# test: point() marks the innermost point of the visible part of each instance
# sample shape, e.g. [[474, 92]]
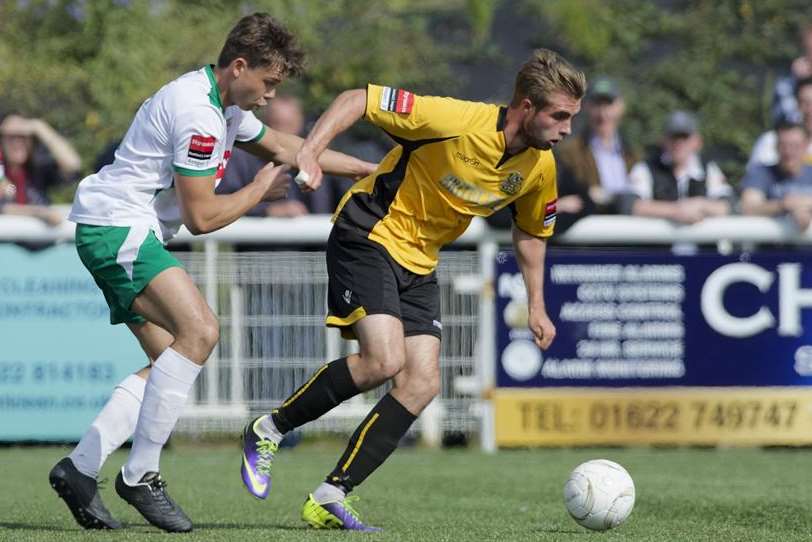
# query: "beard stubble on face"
[[530, 140]]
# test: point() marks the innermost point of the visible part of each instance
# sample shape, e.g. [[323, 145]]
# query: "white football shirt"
[[182, 128]]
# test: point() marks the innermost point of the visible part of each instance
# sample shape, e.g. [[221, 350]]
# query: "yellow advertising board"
[[678, 415]]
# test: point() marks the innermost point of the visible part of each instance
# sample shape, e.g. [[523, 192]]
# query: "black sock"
[[328, 387], [374, 440]]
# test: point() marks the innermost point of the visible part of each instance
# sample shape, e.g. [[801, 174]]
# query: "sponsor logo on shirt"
[[397, 100], [201, 147], [550, 213], [470, 192], [469, 161]]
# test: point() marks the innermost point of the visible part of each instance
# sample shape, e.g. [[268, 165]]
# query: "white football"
[[599, 494]]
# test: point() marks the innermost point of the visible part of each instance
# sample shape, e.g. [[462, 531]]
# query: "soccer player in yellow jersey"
[[454, 160]]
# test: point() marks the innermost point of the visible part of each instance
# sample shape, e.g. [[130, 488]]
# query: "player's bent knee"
[[433, 388], [210, 333], [423, 387], [428, 388], [200, 338], [208, 337], [387, 367]]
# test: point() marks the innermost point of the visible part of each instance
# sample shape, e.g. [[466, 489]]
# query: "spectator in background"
[[765, 150], [598, 160], [34, 158], [783, 188], [283, 113], [785, 105], [676, 182]]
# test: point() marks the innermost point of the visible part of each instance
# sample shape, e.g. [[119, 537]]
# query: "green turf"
[[682, 495]]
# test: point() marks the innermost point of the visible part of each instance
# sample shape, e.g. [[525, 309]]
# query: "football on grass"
[[599, 494]]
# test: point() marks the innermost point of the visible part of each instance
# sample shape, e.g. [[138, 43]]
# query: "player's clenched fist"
[[276, 180], [310, 175], [542, 328]]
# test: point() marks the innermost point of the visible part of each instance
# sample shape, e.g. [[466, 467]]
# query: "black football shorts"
[[364, 279]]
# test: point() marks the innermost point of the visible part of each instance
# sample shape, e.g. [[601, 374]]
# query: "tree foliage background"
[[86, 65], [718, 58]]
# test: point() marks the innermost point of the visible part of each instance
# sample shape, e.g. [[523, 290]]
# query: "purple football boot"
[[257, 457]]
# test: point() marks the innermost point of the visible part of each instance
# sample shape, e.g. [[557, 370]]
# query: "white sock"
[[111, 428], [326, 493], [266, 428], [170, 380]]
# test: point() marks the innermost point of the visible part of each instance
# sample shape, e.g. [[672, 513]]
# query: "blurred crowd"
[[599, 170]]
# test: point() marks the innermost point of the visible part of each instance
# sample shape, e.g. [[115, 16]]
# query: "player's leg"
[[380, 432], [153, 340], [115, 424], [75, 477], [377, 436], [104, 251], [172, 301], [363, 300], [381, 357]]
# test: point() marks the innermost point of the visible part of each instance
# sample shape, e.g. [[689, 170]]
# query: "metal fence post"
[[485, 362], [211, 248], [237, 328]]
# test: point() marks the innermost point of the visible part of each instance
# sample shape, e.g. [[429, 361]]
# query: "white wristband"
[[302, 178]]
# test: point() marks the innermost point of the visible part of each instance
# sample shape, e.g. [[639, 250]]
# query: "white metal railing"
[[271, 307], [592, 230]]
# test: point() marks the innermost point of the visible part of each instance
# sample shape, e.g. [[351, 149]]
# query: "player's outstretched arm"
[[282, 147], [345, 111], [203, 211], [530, 253]]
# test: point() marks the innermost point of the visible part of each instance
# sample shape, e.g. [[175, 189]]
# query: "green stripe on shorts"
[[123, 260]]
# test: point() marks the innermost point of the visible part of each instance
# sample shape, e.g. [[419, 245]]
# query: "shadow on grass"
[[147, 529], [553, 530], [224, 526]]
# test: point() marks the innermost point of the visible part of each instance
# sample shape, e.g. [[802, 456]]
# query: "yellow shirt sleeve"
[[408, 116], [534, 212]]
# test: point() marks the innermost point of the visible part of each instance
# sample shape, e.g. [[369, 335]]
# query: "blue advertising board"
[[60, 357], [656, 319]]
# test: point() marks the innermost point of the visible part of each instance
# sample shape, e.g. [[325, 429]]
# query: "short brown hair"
[[544, 74], [262, 41], [790, 125]]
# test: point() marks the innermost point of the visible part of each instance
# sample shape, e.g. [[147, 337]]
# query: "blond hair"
[[545, 74]]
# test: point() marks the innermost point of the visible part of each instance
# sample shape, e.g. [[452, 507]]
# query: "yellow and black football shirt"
[[449, 166]]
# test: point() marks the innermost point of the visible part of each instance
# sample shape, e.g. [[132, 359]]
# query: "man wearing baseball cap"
[[675, 181], [597, 159]]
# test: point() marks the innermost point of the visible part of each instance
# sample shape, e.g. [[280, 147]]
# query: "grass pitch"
[[428, 495]]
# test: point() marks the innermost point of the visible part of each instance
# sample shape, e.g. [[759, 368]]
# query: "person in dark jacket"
[[676, 181]]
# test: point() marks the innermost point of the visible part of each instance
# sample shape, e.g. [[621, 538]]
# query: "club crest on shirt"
[[512, 184]]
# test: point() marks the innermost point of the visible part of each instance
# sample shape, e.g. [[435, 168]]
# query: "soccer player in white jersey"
[[164, 175]]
